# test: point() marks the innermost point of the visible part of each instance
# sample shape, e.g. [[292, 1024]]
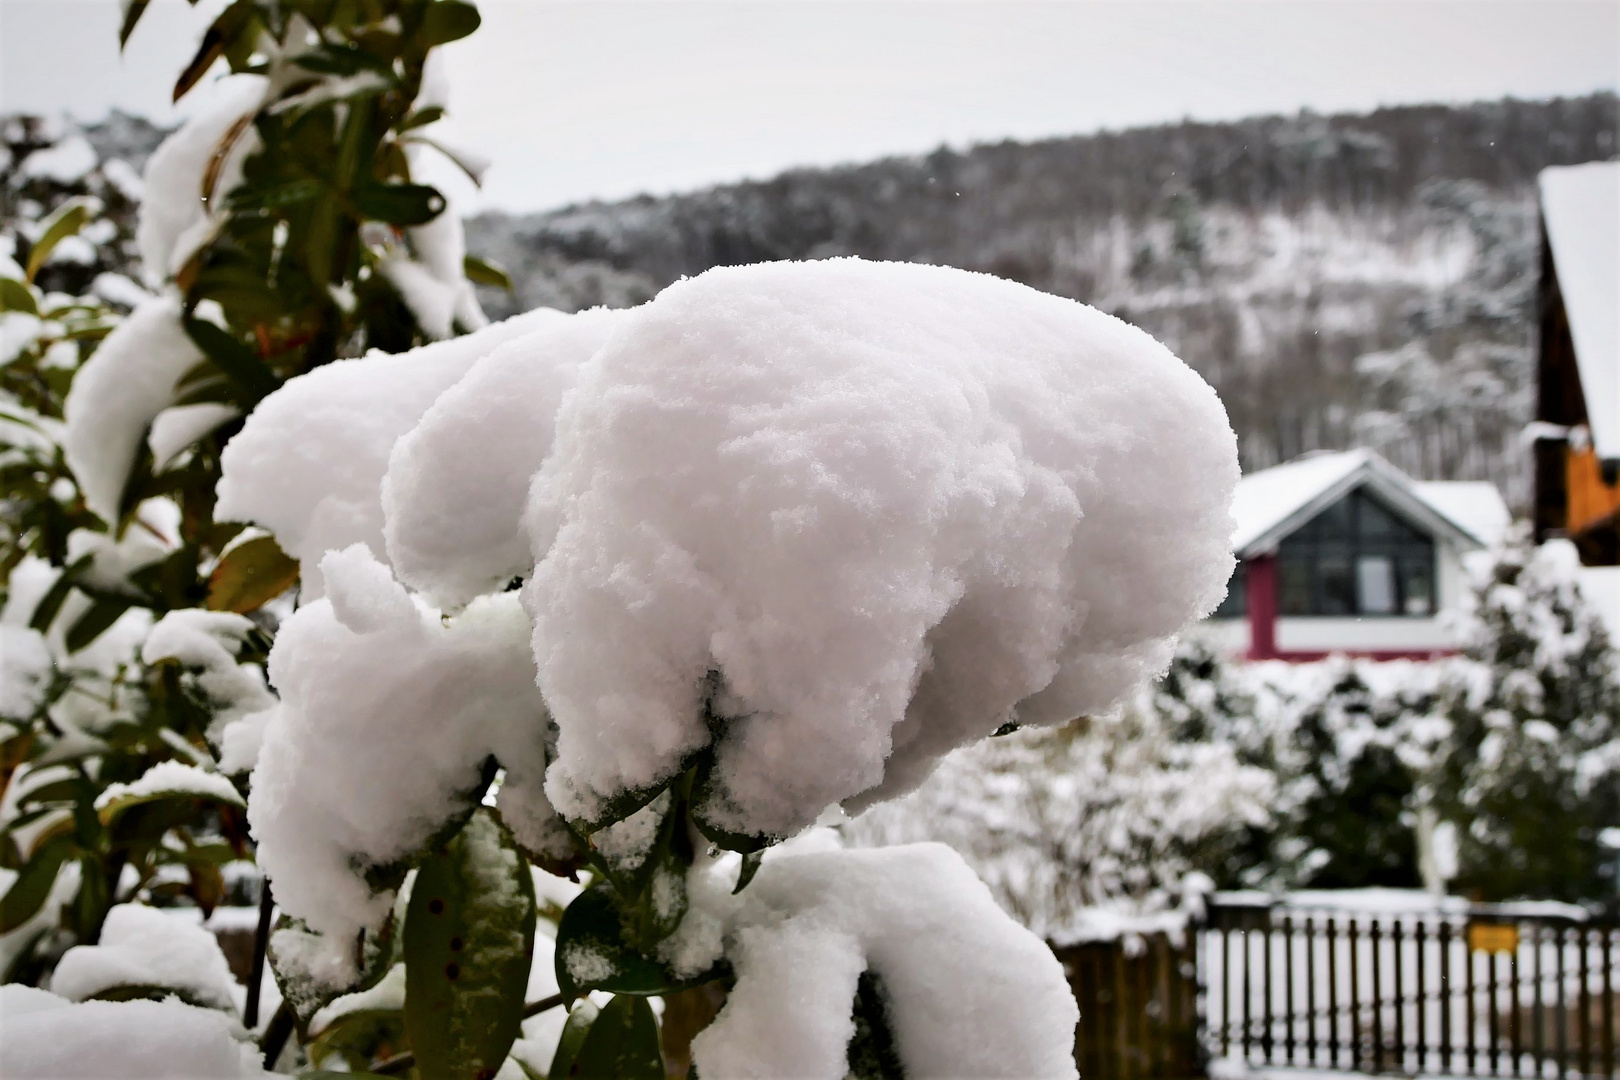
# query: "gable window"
[[1356, 558]]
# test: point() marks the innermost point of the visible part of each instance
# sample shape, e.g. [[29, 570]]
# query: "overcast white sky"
[[608, 98]]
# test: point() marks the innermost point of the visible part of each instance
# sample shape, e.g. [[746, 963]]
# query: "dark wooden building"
[[1577, 451]]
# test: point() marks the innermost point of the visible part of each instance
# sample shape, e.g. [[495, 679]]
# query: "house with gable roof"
[[1344, 553], [1577, 454]]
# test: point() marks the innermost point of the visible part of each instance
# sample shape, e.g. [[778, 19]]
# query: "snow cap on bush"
[[309, 462], [966, 990], [456, 484], [838, 518], [50, 1038], [387, 714]]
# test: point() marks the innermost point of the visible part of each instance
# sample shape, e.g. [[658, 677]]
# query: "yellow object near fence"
[[1493, 937]]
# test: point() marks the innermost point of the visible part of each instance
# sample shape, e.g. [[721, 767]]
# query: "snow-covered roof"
[[1476, 505], [1272, 503], [1580, 205]]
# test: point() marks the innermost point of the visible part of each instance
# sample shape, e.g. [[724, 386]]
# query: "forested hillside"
[[1339, 279]]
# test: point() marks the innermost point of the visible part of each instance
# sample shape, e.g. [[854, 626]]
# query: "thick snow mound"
[[308, 464], [387, 713], [857, 514], [456, 484], [142, 946], [126, 383], [968, 992], [132, 1040]]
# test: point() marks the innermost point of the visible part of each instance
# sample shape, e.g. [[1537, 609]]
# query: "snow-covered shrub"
[[278, 230], [787, 535], [1497, 767], [1535, 775], [1109, 815]]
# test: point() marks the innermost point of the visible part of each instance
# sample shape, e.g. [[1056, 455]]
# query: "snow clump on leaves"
[[803, 527], [308, 463], [834, 519], [966, 990]]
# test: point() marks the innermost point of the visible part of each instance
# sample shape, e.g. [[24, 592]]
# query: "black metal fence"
[[1524, 991]]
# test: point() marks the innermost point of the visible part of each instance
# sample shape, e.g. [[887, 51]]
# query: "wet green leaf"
[[251, 377], [445, 21], [483, 272], [572, 1038], [133, 9], [872, 1052], [622, 1044], [750, 867], [15, 296], [216, 40], [66, 220], [251, 575], [595, 951], [89, 626], [469, 940], [398, 204], [32, 885], [114, 807]]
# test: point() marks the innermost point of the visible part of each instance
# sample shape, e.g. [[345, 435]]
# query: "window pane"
[[1417, 583], [1335, 589], [1375, 584], [1294, 578]]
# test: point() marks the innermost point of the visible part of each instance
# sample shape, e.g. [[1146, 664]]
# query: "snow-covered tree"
[[1534, 776]]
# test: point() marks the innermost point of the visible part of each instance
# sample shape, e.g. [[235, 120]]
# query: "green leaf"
[[750, 867], [116, 806], [422, 118], [68, 219], [446, 21], [374, 954], [252, 378], [89, 626], [595, 951], [398, 204], [872, 1053], [51, 603], [469, 940], [250, 576], [15, 296], [33, 885], [484, 272], [572, 1038], [133, 9], [218, 38], [622, 1044]]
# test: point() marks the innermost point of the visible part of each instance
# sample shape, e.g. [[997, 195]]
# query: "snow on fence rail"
[[1524, 990]]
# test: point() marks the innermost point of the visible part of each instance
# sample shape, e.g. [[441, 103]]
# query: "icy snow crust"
[[969, 992], [883, 509]]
